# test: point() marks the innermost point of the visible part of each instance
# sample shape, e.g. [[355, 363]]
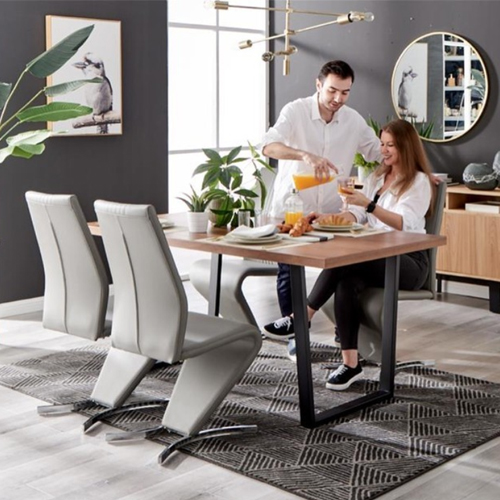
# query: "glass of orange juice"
[[345, 186]]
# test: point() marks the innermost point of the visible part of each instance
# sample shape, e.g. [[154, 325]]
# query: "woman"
[[396, 196]]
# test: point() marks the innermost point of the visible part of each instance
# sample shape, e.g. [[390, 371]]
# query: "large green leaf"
[[28, 150], [25, 151], [53, 112], [64, 88], [211, 178], [202, 168], [247, 193], [4, 93], [58, 55], [5, 152], [233, 154], [213, 155], [30, 137]]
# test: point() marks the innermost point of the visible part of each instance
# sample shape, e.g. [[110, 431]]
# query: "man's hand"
[[323, 167]]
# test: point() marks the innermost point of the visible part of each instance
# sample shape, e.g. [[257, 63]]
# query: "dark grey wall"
[[373, 49], [128, 168]]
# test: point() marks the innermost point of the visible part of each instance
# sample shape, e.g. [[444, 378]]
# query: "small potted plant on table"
[[197, 204]]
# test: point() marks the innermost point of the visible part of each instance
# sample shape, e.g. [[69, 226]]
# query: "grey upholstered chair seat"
[[151, 322], [206, 332], [233, 304], [372, 299]]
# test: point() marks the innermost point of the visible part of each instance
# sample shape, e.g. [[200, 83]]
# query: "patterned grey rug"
[[433, 417]]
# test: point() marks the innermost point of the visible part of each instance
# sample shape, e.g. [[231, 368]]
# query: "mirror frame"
[[395, 85]]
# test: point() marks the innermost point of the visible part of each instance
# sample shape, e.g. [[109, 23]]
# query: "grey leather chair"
[[151, 322], [233, 304], [76, 285], [372, 299]]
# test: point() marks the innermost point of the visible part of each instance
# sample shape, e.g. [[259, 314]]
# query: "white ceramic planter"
[[197, 222]]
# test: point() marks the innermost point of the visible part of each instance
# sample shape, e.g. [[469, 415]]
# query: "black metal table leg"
[[214, 286], [304, 372], [308, 417], [390, 321]]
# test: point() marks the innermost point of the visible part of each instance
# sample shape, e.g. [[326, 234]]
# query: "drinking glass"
[[244, 218], [345, 186]]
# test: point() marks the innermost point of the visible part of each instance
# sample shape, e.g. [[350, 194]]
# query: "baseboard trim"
[[21, 307], [467, 289]]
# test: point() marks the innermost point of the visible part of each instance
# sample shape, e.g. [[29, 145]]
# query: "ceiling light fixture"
[[340, 19]]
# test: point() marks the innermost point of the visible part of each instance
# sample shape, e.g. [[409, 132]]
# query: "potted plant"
[[224, 178], [28, 144], [365, 168], [197, 204]]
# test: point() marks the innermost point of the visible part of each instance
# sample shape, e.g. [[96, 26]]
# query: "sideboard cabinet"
[[472, 252]]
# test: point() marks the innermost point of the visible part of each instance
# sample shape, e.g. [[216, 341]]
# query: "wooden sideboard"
[[472, 253]]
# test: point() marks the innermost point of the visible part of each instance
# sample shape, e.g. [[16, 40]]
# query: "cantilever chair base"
[[206, 434], [233, 304], [140, 405]]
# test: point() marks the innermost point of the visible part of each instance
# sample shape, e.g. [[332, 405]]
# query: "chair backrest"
[[76, 285], [147, 286], [433, 226]]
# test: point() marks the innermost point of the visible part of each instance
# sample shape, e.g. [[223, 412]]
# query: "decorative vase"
[[479, 176], [197, 222]]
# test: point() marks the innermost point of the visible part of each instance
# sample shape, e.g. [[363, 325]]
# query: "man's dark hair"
[[339, 68]]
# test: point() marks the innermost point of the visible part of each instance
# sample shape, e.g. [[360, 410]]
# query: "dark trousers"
[[348, 282], [284, 289]]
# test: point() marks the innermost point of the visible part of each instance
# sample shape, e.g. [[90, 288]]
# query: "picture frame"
[[99, 56]]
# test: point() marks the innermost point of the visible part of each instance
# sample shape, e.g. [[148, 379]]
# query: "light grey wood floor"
[[50, 458]]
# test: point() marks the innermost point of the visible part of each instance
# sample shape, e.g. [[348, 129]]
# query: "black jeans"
[[349, 281], [284, 289]]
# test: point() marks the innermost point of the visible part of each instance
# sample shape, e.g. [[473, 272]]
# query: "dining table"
[[321, 253]]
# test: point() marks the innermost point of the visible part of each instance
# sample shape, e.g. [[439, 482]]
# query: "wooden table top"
[[339, 251]]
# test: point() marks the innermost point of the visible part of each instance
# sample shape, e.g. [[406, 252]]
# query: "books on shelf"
[[487, 206]]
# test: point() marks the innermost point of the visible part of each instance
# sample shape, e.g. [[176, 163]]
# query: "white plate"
[[354, 226], [165, 223], [253, 241]]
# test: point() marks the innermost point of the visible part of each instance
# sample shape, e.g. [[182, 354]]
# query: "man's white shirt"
[[300, 126]]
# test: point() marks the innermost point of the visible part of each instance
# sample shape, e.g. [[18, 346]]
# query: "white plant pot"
[[197, 222]]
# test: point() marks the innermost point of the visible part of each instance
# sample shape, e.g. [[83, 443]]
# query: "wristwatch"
[[371, 207]]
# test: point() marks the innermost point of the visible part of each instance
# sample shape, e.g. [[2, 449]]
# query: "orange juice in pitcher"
[[308, 180]]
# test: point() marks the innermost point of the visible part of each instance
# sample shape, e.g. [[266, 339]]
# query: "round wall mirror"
[[440, 85]]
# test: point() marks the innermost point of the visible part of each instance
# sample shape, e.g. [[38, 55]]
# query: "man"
[[319, 134]]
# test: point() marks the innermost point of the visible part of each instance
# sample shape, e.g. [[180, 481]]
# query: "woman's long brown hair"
[[411, 154]]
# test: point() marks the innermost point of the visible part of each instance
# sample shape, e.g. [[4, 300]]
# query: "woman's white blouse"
[[412, 205]]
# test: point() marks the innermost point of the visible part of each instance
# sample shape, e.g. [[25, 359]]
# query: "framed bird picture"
[[93, 76]]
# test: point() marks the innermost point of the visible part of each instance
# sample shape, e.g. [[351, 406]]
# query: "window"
[[217, 92]]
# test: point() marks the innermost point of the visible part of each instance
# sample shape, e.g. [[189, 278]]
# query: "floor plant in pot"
[[29, 143], [225, 178]]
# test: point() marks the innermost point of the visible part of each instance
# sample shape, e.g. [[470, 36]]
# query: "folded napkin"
[[254, 232]]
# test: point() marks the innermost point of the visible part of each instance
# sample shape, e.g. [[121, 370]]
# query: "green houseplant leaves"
[[224, 178], [28, 144]]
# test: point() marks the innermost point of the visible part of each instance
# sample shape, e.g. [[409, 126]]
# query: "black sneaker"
[[343, 377], [281, 329], [292, 350]]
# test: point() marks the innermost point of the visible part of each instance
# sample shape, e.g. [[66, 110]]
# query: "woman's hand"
[[357, 198]]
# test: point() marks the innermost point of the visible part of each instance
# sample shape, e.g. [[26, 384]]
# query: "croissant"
[[284, 228], [300, 227], [332, 220]]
